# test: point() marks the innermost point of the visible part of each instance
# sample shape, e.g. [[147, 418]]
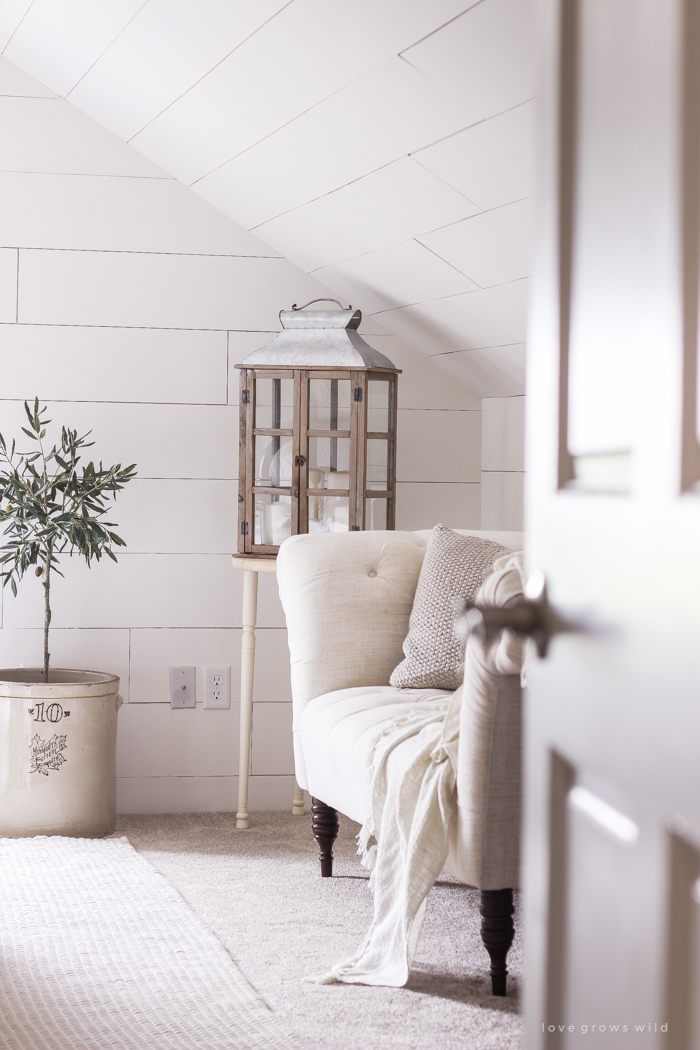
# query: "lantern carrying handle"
[[324, 300]]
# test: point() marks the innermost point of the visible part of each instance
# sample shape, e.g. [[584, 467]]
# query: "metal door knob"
[[532, 616]]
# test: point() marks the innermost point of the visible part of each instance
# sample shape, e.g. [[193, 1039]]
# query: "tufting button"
[[371, 574]]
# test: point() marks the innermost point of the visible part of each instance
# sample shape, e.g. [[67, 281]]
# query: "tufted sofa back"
[[347, 598]]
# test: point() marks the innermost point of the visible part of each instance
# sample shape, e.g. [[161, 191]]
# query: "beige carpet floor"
[[261, 892]]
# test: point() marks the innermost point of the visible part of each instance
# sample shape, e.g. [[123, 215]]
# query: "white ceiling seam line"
[[14, 31], [353, 182], [135, 327], [136, 251], [154, 404], [82, 174], [482, 211], [302, 113], [205, 75], [468, 127], [411, 156], [407, 240], [104, 52], [446, 261], [442, 298], [427, 36], [477, 349]]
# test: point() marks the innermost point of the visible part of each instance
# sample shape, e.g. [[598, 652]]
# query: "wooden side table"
[[252, 564]]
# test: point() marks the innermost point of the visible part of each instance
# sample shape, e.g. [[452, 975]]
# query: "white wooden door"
[[612, 828]]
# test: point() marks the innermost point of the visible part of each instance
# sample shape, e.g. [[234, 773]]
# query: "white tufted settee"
[[347, 599]]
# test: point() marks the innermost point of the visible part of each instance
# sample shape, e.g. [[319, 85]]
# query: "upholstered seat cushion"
[[338, 731]]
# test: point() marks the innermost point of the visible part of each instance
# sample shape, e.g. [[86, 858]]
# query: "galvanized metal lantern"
[[317, 432]]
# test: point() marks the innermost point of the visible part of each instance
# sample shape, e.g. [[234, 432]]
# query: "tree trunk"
[[47, 615]]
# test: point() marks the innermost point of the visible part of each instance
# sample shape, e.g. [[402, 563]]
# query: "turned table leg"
[[250, 612], [497, 932], [324, 823], [298, 803]]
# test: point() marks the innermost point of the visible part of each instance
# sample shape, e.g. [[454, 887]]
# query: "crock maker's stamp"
[[46, 754]]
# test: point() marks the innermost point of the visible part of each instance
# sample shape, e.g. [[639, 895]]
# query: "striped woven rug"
[[99, 952]]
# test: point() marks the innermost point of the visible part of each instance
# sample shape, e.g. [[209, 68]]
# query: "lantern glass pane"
[[329, 404], [273, 518], [377, 463], [328, 513], [329, 457], [375, 514], [273, 461], [274, 403], [378, 406]]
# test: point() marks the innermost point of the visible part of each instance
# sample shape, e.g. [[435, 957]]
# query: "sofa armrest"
[[490, 746]]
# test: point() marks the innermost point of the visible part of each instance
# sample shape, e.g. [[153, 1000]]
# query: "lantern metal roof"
[[318, 339]]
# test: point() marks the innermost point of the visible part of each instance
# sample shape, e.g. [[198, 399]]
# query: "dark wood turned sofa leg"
[[324, 822], [497, 933]]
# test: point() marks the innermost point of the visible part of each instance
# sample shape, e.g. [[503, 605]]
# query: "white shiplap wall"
[[502, 462], [125, 302], [385, 146]]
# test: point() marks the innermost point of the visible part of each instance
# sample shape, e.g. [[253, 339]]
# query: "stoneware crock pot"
[[58, 744]]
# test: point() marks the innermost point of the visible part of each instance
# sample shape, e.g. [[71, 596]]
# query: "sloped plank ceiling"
[[386, 146]]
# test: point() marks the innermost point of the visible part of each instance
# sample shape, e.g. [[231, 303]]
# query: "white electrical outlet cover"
[[217, 687], [182, 687]]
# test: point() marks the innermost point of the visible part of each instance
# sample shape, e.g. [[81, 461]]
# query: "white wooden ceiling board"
[[487, 58], [50, 135], [491, 248], [404, 273], [389, 112], [310, 50], [108, 214], [168, 47], [474, 320], [14, 81], [496, 372], [492, 163], [489, 317], [386, 207], [423, 384], [58, 42], [11, 14]]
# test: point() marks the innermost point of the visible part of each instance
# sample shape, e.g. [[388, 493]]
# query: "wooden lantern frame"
[[357, 492]]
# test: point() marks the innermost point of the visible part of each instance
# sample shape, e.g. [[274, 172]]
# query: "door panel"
[[613, 713]]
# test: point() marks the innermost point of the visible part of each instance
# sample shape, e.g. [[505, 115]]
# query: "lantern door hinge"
[[244, 528], [358, 393], [245, 397], [355, 528]]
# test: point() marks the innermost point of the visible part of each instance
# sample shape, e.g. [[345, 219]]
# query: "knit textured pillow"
[[454, 567]]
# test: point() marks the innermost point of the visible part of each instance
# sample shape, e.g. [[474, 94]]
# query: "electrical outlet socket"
[[217, 687], [182, 687]]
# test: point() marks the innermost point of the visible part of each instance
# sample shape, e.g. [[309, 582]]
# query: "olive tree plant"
[[52, 504]]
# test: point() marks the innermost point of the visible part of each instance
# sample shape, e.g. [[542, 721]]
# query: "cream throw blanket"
[[414, 804]]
